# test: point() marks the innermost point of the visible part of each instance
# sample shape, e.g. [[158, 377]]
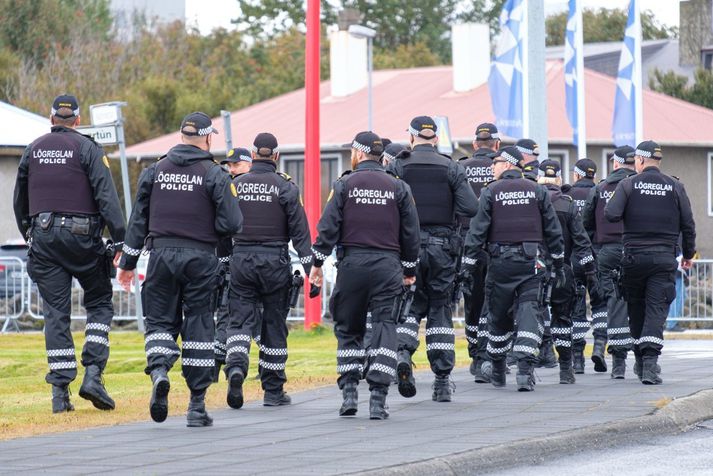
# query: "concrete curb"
[[674, 418]]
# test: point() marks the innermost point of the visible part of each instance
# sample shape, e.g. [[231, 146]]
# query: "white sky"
[[210, 14]]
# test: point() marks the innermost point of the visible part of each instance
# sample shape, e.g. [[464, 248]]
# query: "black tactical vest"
[[563, 207], [579, 193], [180, 204], [606, 231], [264, 218], [57, 181], [371, 216], [515, 215], [426, 173], [478, 171], [652, 208]]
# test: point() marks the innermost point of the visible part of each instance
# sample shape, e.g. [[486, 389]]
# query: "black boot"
[[566, 369], [378, 410], [496, 372], [92, 389], [600, 363], [404, 371], [159, 395], [474, 367], [442, 389], [618, 367], [638, 364], [350, 394], [524, 377], [650, 371], [197, 416], [547, 357], [235, 388], [216, 370], [60, 399], [480, 376], [578, 359], [276, 399]]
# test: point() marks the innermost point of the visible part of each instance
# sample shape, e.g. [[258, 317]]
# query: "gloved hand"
[[595, 291], [314, 291], [559, 277]]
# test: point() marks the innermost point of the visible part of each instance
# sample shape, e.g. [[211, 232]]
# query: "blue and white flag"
[[506, 78], [574, 75], [627, 125]]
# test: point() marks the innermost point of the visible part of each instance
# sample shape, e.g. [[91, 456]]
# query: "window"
[[561, 156], [606, 166], [710, 184], [331, 169], [707, 59]]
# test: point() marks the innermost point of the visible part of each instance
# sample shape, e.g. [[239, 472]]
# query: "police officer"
[[185, 203], [261, 274], [607, 239], [372, 219], [237, 162], [515, 220], [479, 171], [530, 152], [576, 246], [655, 210], [441, 192], [583, 176], [391, 151], [64, 196]]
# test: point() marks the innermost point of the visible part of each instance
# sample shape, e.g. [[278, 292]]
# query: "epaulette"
[[392, 174], [492, 181], [345, 173], [284, 176], [162, 157], [673, 176], [567, 197], [89, 137], [446, 156]]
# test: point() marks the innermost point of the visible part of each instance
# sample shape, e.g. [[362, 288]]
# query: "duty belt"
[[355, 250], [66, 220], [164, 242], [498, 249], [273, 250]]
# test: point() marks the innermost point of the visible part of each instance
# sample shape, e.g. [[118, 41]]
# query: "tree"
[[672, 84], [605, 25]]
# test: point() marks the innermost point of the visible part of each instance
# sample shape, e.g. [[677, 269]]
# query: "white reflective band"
[[413, 131], [525, 150], [411, 320], [383, 351], [643, 153], [599, 325], [509, 158], [358, 146], [561, 330], [502, 338], [472, 340], [440, 346], [342, 369], [61, 352], [558, 255], [158, 336], [271, 365], [257, 338], [617, 330], [586, 260], [197, 362], [579, 171], [563, 343], [219, 345], [97, 340], [652, 339], [446, 331], [525, 349], [162, 350], [599, 315], [224, 259], [615, 342], [582, 324], [131, 251], [403, 330], [193, 345], [579, 336], [621, 160], [469, 261], [306, 259], [319, 256], [382, 368], [483, 320], [498, 350], [63, 365], [95, 326], [273, 350], [540, 328], [471, 328], [242, 350], [529, 335], [344, 353], [368, 325], [409, 264], [238, 337]]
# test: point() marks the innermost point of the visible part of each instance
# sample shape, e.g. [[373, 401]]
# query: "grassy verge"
[[26, 409]]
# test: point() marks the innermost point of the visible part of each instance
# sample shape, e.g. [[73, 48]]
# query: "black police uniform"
[[607, 240], [185, 203], [261, 273], [479, 172], [64, 196], [514, 219], [577, 246], [579, 192], [371, 217], [441, 192], [655, 210]]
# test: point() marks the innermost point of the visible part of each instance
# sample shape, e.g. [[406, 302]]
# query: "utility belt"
[[170, 242], [650, 249], [530, 249], [356, 250], [78, 224], [453, 243], [272, 250]]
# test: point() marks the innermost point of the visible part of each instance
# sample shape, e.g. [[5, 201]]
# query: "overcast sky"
[[210, 14]]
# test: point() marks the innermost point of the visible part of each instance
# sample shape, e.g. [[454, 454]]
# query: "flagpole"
[[581, 116], [525, 72], [637, 76]]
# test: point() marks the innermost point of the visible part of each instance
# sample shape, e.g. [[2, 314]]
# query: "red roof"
[[402, 94]]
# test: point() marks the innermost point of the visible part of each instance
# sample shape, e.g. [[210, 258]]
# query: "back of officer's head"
[[65, 111], [507, 158], [647, 154], [529, 150], [197, 130], [585, 168], [486, 136], [549, 172], [623, 157], [265, 147], [423, 130], [366, 146]]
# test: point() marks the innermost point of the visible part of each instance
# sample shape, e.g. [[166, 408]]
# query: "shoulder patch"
[[105, 159], [284, 176], [392, 174], [233, 190]]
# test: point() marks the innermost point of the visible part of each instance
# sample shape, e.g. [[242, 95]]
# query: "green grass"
[[25, 400]]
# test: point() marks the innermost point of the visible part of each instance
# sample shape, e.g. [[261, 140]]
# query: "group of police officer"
[[498, 226]]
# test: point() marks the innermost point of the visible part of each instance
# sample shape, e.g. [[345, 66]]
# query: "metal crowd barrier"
[[19, 296]]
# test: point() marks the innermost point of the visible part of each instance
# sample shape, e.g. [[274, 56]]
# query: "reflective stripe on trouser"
[[367, 282], [259, 279], [178, 299], [618, 334], [221, 327], [561, 307], [513, 284], [650, 288], [579, 313], [474, 306], [56, 256]]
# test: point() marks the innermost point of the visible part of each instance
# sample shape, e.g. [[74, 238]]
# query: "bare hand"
[[686, 264], [117, 258], [409, 280], [125, 278], [316, 276]]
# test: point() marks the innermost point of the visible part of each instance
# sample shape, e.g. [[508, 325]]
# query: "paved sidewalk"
[[309, 438]]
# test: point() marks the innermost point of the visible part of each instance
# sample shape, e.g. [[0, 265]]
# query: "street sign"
[[104, 135], [107, 113], [445, 145]]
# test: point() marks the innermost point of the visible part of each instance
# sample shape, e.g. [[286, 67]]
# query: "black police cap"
[[585, 168], [369, 143], [65, 101], [265, 144], [528, 146], [624, 155], [197, 124], [392, 150], [486, 131], [237, 154], [510, 154], [423, 126], [550, 168], [649, 150]]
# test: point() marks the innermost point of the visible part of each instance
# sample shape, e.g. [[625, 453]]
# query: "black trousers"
[[259, 276], [435, 275], [513, 288], [608, 259], [474, 300], [367, 281], [561, 309], [222, 316], [178, 298], [56, 256], [649, 288], [579, 314]]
